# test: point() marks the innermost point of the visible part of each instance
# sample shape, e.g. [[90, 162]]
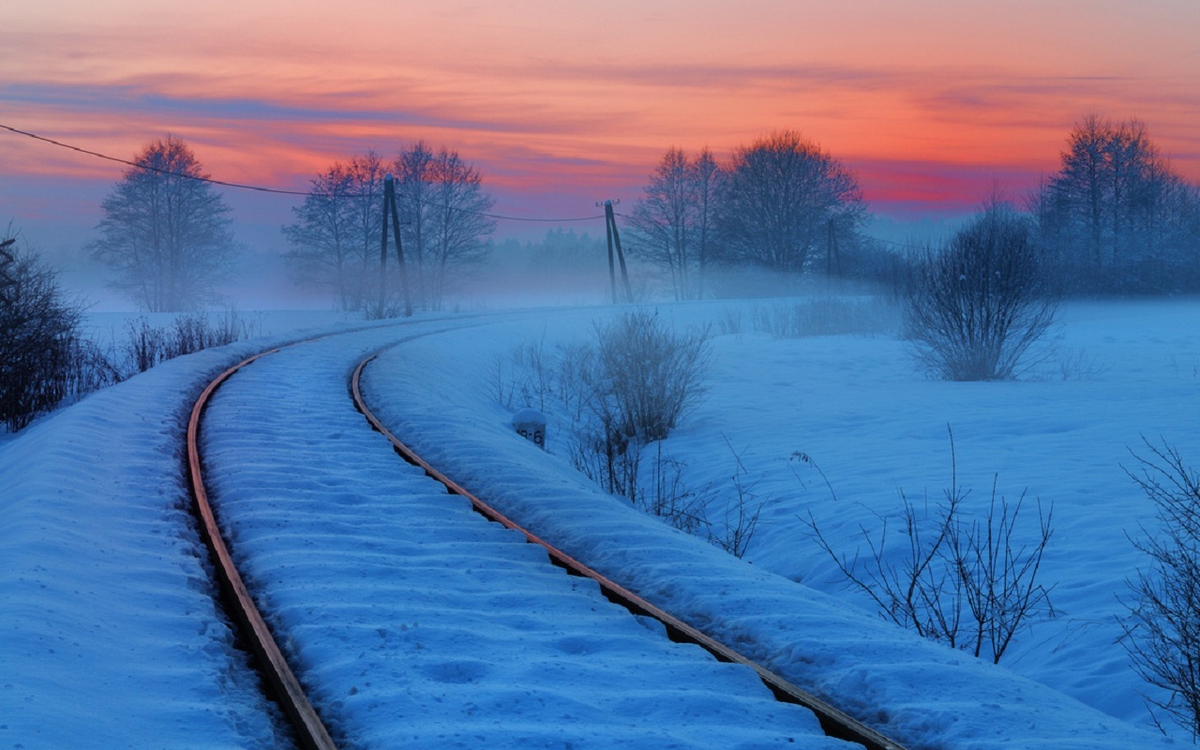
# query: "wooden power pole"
[[614, 238], [389, 206]]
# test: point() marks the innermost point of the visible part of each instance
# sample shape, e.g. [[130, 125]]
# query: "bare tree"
[[1163, 624], [414, 170], [326, 244], [165, 230], [707, 179], [977, 307], [663, 221], [780, 196], [460, 222], [673, 220], [335, 238], [444, 218], [1116, 215]]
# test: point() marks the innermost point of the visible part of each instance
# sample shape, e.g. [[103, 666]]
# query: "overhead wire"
[[275, 191], [280, 191]]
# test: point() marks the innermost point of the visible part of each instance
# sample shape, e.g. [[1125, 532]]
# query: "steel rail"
[[311, 733], [835, 722]]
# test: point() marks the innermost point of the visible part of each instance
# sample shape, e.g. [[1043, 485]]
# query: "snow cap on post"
[[531, 425]]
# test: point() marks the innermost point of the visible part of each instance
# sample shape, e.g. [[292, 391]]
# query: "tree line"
[[166, 232], [778, 204], [1115, 218]]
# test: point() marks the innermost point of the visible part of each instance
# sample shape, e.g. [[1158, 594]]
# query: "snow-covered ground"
[[94, 530]]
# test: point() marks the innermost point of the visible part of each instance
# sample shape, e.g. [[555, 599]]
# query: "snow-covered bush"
[[633, 386]]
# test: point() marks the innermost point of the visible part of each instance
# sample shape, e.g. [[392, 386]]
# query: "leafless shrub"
[[669, 498], [730, 321], [646, 376], [740, 518], [639, 379], [999, 573], [502, 386], [1079, 365], [825, 316], [526, 377], [146, 345], [622, 394], [971, 584], [576, 363], [610, 459], [41, 350], [976, 309], [1162, 628]]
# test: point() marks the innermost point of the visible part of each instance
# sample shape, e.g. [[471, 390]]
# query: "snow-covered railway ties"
[[390, 607]]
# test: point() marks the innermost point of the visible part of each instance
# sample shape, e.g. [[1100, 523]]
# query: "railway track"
[[310, 730]]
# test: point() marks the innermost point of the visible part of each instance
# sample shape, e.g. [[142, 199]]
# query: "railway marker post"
[[531, 425]]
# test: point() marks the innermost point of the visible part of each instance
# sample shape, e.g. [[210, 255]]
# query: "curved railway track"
[[309, 729], [286, 689]]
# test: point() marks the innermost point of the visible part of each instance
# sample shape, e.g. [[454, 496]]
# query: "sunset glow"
[[563, 104]]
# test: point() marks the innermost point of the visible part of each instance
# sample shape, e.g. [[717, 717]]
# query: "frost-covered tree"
[[166, 231]]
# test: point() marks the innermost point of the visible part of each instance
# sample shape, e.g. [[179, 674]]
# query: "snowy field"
[[94, 529]]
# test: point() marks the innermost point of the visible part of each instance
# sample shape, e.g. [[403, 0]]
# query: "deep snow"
[[95, 492]]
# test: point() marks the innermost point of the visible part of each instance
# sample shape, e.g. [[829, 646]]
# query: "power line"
[[148, 167], [275, 191]]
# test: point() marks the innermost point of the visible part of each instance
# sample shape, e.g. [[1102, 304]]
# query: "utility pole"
[[832, 253], [614, 238], [390, 190], [387, 191], [389, 205]]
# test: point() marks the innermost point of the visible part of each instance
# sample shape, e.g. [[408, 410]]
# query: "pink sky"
[[561, 104]]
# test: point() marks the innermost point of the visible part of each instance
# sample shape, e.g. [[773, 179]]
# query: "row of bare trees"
[[779, 203], [1116, 216], [166, 232], [443, 209]]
